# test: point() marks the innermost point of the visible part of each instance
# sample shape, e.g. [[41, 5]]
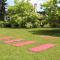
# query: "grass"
[[8, 52]]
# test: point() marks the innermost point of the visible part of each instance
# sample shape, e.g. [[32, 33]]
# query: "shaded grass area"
[[8, 52], [49, 32]]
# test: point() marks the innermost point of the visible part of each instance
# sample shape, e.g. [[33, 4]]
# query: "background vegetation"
[[23, 15]]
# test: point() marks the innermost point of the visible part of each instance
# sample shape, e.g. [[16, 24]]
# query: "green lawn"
[[8, 52]]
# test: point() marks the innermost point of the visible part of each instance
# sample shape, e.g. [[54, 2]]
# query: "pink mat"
[[12, 41], [6, 38], [24, 43], [42, 47]]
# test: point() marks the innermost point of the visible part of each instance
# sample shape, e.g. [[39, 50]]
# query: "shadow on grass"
[[52, 32]]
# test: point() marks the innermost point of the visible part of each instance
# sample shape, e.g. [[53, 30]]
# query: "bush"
[[43, 23], [14, 21], [2, 24], [28, 25], [36, 24], [19, 22]]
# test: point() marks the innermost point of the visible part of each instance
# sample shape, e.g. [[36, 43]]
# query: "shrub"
[[19, 22], [36, 24], [43, 22], [28, 25], [13, 21], [2, 24]]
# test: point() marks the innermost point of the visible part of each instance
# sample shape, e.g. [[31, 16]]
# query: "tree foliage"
[[52, 12], [23, 14], [3, 9]]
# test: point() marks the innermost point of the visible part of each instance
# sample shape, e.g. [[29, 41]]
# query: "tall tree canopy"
[[23, 11], [52, 12], [2, 10], [21, 8]]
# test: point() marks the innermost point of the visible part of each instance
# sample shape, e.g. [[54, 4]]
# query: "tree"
[[52, 13], [3, 9], [24, 13]]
